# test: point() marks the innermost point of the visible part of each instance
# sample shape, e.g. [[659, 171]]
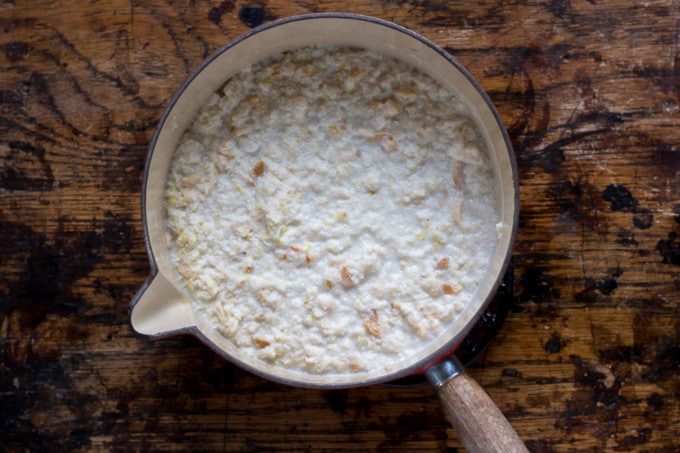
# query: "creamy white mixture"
[[331, 210]]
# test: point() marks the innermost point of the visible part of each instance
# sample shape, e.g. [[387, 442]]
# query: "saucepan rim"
[[335, 381]]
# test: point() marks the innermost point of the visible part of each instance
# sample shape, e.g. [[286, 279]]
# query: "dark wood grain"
[[588, 359]]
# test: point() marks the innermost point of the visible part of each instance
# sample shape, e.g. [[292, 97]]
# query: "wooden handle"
[[482, 427]]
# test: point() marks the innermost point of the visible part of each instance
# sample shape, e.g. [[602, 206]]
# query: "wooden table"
[[588, 358]]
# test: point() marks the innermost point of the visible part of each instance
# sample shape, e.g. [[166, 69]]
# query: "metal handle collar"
[[442, 372]]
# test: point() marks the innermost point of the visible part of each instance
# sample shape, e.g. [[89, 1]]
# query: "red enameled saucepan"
[[162, 308]]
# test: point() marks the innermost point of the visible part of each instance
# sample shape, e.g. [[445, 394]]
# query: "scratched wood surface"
[[588, 358]]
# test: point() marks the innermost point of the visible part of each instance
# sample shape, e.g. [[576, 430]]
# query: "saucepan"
[[162, 307]]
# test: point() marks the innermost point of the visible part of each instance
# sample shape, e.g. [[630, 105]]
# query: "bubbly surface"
[[331, 210]]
